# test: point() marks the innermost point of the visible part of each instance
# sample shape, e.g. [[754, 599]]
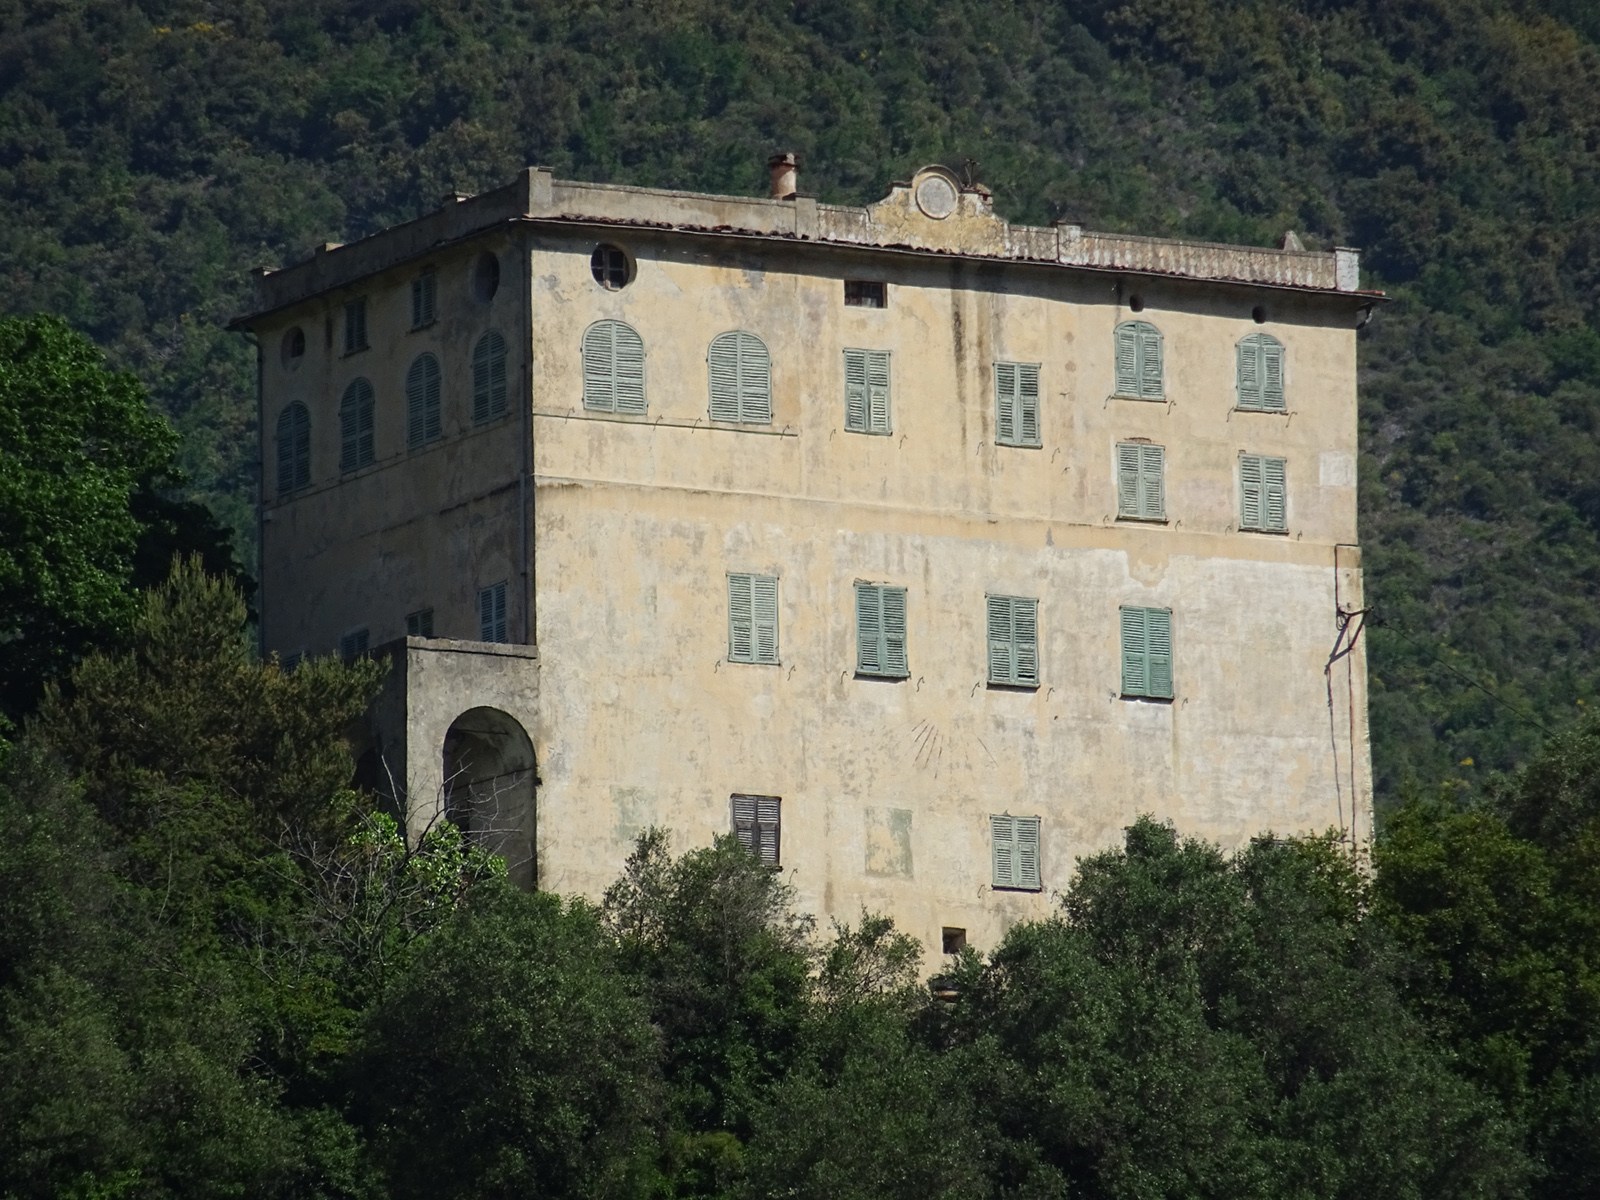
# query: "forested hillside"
[[151, 154]]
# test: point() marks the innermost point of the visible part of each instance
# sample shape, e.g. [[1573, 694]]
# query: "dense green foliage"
[[86, 514], [150, 155], [222, 972]]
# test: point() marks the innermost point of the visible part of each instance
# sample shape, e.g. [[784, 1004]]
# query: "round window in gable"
[[293, 349], [1258, 315], [1136, 302], [486, 277], [610, 266]]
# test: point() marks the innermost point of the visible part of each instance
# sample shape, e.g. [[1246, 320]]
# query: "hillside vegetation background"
[[151, 154]]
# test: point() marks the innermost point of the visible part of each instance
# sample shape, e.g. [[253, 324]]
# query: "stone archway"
[[489, 788]]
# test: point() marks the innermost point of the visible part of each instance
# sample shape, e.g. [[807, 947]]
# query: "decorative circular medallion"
[[936, 196]]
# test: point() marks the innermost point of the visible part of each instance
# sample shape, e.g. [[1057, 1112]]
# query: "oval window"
[[610, 266]]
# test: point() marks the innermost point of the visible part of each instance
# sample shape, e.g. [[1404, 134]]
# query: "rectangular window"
[[353, 645], [422, 293], [1262, 493], [492, 613], [1014, 843], [752, 618], [755, 824], [1141, 494], [1013, 641], [1016, 403], [355, 325], [881, 631], [420, 623], [866, 293], [866, 391], [1147, 652]]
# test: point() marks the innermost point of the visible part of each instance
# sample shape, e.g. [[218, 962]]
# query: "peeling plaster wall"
[[887, 787]]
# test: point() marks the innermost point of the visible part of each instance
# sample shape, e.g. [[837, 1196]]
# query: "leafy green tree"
[[724, 963], [1198, 1024], [512, 1059], [1499, 901]]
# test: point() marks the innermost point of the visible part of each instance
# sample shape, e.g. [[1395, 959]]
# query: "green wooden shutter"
[[294, 448], [1025, 840], [1152, 489], [1248, 357], [1158, 631], [433, 417], [1025, 638], [599, 368], [1135, 680], [894, 631], [613, 368], [1028, 404], [349, 430], [1003, 855], [1127, 359], [741, 632], [416, 422], [1005, 403], [1272, 396], [1150, 381], [869, 629], [744, 822], [764, 617], [1002, 667], [878, 390], [722, 364], [1128, 461], [489, 377], [767, 829], [629, 360], [1274, 499], [1250, 507], [755, 380], [855, 391], [422, 300]]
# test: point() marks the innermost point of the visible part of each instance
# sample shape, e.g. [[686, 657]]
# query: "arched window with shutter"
[[741, 378], [423, 420], [294, 449], [613, 368], [1260, 367], [356, 448], [1139, 361], [489, 378]]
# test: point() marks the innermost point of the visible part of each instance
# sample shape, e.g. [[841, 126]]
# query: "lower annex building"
[[923, 550]]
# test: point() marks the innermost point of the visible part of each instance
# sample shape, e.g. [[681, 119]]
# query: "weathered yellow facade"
[[615, 534]]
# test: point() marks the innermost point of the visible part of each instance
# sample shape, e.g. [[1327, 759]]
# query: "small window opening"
[[486, 277], [609, 266], [1136, 303], [955, 940], [866, 293], [1258, 315], [424, 291], [355, 325], [294, 348], [420, 623], [353, 645]]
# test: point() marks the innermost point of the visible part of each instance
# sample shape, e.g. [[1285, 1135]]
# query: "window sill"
[[424, 325], [1145, 520], [873, 677], [1265, 412], [1147, 699], [1020, 445], [871, 432], [649, 422], [356, 351], [1031, 891], [994, 686], [752, 662], [1268, 532], [1146, 399]]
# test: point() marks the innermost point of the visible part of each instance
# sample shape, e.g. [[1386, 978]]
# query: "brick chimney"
[[784, 168]]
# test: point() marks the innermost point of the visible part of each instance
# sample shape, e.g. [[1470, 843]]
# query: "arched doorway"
[[489, 788]]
